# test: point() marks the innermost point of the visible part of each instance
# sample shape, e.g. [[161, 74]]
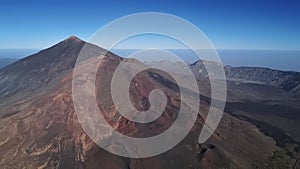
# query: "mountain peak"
[[73, 38], [45, 68]]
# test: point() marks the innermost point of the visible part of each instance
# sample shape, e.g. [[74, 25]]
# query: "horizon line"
[[167, 49]]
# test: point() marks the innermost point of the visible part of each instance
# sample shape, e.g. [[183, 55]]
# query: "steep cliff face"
[[286, 80]]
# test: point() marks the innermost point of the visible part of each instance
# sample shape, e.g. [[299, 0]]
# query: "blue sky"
[[228, 24]]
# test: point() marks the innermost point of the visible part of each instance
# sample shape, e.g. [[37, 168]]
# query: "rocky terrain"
[[39, 127], [286, 80], [267, 98]]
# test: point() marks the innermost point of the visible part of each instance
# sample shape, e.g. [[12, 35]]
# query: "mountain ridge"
[[41, 130], [42, 68], [286, 80]]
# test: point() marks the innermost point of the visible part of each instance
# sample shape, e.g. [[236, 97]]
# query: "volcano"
[[40, 129]]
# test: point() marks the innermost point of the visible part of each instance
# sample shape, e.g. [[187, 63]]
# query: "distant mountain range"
[[284, 60], [286, 80], [39, 127]]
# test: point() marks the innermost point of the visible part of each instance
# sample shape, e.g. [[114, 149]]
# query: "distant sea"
[[274, 59], [16, 53]]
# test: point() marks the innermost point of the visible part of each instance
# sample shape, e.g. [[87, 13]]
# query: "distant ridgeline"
[[287, 80]]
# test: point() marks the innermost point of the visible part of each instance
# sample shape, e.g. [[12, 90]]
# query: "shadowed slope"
[[41, 130]]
